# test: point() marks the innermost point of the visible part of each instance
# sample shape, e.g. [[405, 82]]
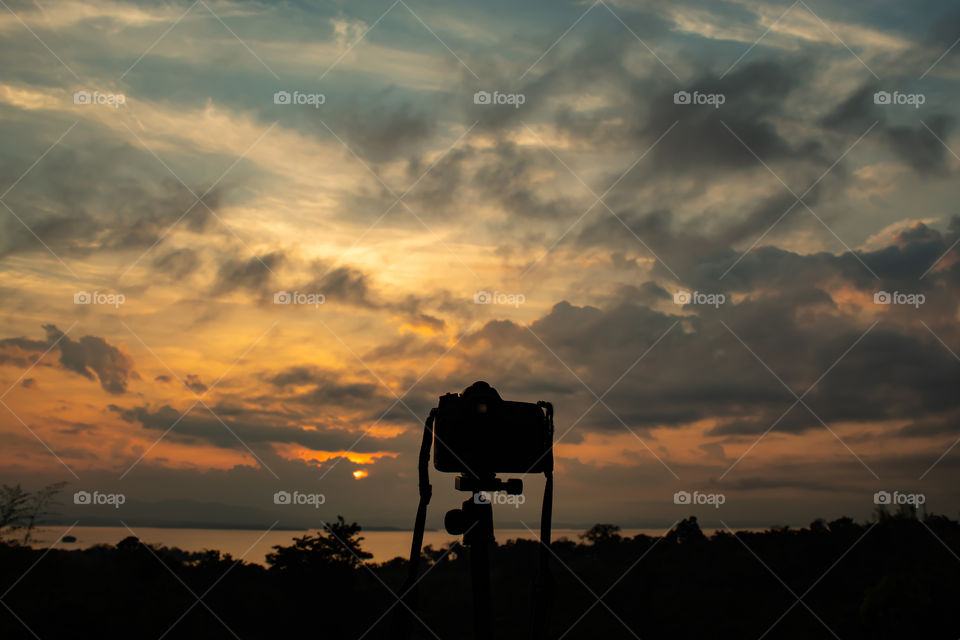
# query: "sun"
[[360, 473]]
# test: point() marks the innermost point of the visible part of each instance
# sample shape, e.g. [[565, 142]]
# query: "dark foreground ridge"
[[895, 577]]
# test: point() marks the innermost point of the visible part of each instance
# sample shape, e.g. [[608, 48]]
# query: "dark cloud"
[[313, 387], [706, 138], [914, 144], [252, 428], [91, 356], [195, 384], [94, 355], [177, 264], [21, 352], [96, 197], [508, 176], [786, 316], [382, 128], [251, 275], [919, 147]]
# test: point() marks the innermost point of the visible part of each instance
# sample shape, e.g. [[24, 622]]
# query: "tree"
[[336, 545], [688, 531], [14, 503], [37, 507], [600, 534], [20, 509]]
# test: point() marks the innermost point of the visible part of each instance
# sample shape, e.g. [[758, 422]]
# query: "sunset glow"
[[245, 260]]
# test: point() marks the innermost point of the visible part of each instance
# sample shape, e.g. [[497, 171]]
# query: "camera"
[[479, 434]]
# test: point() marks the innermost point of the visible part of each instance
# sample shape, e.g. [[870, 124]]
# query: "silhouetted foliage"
[[602, 534], [338, 544], [22, 510], [896, 577]]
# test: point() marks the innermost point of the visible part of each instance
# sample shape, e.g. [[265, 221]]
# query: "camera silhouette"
[[682, 297], [882, 297], [882, 497], [682, 497], [82, 297], [282, 297], [282, 497], [82, 497], [81, 97], [482, 97], [681, 97], [881, 97], [482, 297], [281, 97]]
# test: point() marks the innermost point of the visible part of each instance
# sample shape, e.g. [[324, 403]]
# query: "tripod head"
[[474, 519]]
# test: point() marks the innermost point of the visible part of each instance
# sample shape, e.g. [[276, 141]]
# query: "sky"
[[245, 246]]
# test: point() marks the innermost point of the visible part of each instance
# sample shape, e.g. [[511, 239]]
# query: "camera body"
[[479, 434]]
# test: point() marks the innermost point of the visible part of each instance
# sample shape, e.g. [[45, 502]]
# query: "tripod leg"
[[480, 575], [479, 538]]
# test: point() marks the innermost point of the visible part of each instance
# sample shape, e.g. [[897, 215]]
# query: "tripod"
[[474, 520]]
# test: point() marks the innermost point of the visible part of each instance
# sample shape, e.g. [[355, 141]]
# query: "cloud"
[[250, 274], [102, 196], [91, 356], [797, 313], [249, 427]]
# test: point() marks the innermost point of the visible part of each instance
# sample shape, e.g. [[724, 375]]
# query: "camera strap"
[[543, 588], [409, 592], [426, 492]]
